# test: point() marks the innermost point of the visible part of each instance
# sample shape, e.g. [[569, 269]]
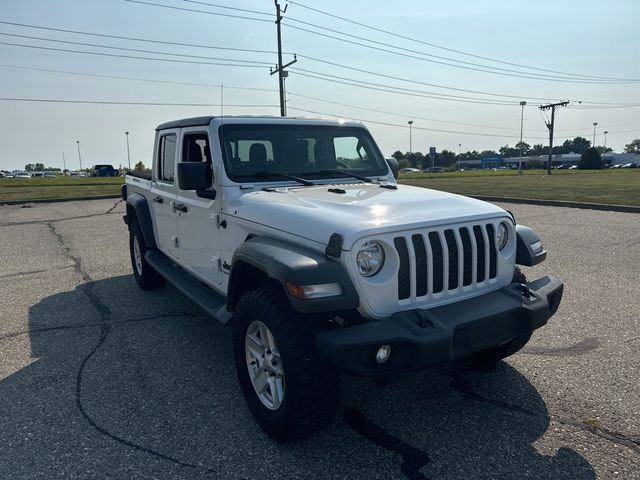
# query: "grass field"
[[57, 187], [616, 187]]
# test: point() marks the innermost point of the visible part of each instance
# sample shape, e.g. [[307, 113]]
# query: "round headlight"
[[370, 259], [503, 235]]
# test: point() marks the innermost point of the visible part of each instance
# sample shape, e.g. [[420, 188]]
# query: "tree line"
[[447, 158]]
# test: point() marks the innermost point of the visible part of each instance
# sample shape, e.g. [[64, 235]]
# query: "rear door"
[[198, 224], [163, 192]]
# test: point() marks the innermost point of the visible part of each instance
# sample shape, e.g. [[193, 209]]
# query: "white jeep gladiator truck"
[[295, 232]]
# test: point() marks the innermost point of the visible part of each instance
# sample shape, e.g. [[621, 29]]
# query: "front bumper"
[[421, 338]]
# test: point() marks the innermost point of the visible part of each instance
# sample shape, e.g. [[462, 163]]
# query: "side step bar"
[[211, 302]]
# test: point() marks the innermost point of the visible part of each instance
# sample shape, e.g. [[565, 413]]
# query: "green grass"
[[57, 187], [614, 187]]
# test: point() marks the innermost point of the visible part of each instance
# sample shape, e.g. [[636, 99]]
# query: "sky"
[[457, 69]]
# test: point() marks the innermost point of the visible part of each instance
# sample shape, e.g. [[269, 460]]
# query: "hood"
[[362, 210]]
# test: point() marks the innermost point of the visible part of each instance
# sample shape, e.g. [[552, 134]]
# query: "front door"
[[198, 214], [163, 193]]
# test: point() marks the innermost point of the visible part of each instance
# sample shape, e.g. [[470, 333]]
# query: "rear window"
[[307, 151]]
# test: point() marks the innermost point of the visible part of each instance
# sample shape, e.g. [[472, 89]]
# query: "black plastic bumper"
[[421, 338]]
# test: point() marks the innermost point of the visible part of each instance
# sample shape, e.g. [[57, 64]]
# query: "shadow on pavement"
[[126, 383]]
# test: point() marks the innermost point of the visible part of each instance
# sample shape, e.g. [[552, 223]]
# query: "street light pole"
[[128, 154], [522, 104], [595, 124], [79, 156], [410, 122], [605, 141], [459, 154]]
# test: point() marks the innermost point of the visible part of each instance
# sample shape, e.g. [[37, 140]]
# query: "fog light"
[[383, 353]]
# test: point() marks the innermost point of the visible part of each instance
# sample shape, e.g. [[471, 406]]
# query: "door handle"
[[181, 207], [158, 199]]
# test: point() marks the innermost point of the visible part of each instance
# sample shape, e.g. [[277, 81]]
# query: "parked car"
[[410, 170], [616, 166], [22, 175], [630, 165], [104, 171], [50, 174], [323, 269], [436, 169], [573, 167]]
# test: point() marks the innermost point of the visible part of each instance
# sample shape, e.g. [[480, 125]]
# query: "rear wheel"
[[288, 391], [146, 277]]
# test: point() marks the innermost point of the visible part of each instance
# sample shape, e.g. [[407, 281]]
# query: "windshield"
[[308, 151]]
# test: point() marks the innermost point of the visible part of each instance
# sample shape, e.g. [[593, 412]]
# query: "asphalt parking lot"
[[99, 379]]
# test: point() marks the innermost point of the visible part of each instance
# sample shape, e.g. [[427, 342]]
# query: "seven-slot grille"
[[443, 260]]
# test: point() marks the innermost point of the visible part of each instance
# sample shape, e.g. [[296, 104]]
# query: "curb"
[[56, 200], [560, 203]]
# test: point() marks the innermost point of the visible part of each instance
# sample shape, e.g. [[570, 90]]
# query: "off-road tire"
[[147, 278], [312, 390], [487, 359]]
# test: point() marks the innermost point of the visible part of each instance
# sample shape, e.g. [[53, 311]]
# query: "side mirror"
[[393, 165], [194, 176]]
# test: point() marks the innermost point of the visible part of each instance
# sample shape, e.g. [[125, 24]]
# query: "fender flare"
[[286, 262], [138, 204], [529, 251]]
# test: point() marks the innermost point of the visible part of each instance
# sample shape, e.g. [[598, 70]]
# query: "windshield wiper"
[[346, 173], [303, 181]]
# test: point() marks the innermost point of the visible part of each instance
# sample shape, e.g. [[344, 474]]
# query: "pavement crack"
[[581, 348], [105, 324], [462, 385], [36, 331], [109, 211]]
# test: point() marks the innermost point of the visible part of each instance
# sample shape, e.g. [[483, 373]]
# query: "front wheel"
[[289, 393]]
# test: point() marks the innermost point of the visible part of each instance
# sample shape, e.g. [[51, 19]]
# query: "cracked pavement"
[[100, 379]]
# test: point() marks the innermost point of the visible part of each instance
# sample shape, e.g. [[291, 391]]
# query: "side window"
[[167, 157], [195, 148], [350, 152]]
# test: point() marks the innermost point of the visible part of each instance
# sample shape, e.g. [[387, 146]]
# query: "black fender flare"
[[285, 262], [137, 203], [525, 254]]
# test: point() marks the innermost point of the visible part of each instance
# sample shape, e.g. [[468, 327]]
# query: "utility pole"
[[128, 154], [522, 104], [280, 68], [79, 156], [64, 162], [551, 106]]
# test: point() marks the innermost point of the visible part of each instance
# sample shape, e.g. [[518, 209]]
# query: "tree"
[[140, 167], [633, 147], [29, 167], [539, 149], [590, 160], [526, 148], [398, 155], [580, 145], [446, 158], [39, 167]]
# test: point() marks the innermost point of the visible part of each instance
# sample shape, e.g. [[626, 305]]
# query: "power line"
[[404, 125], [117, 102], [103, 54], [138, 79], [198, 11], [460, 52], [528, 76], [136, 39], [397, 90], [403, 115], [69, 42], [230, 8]]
